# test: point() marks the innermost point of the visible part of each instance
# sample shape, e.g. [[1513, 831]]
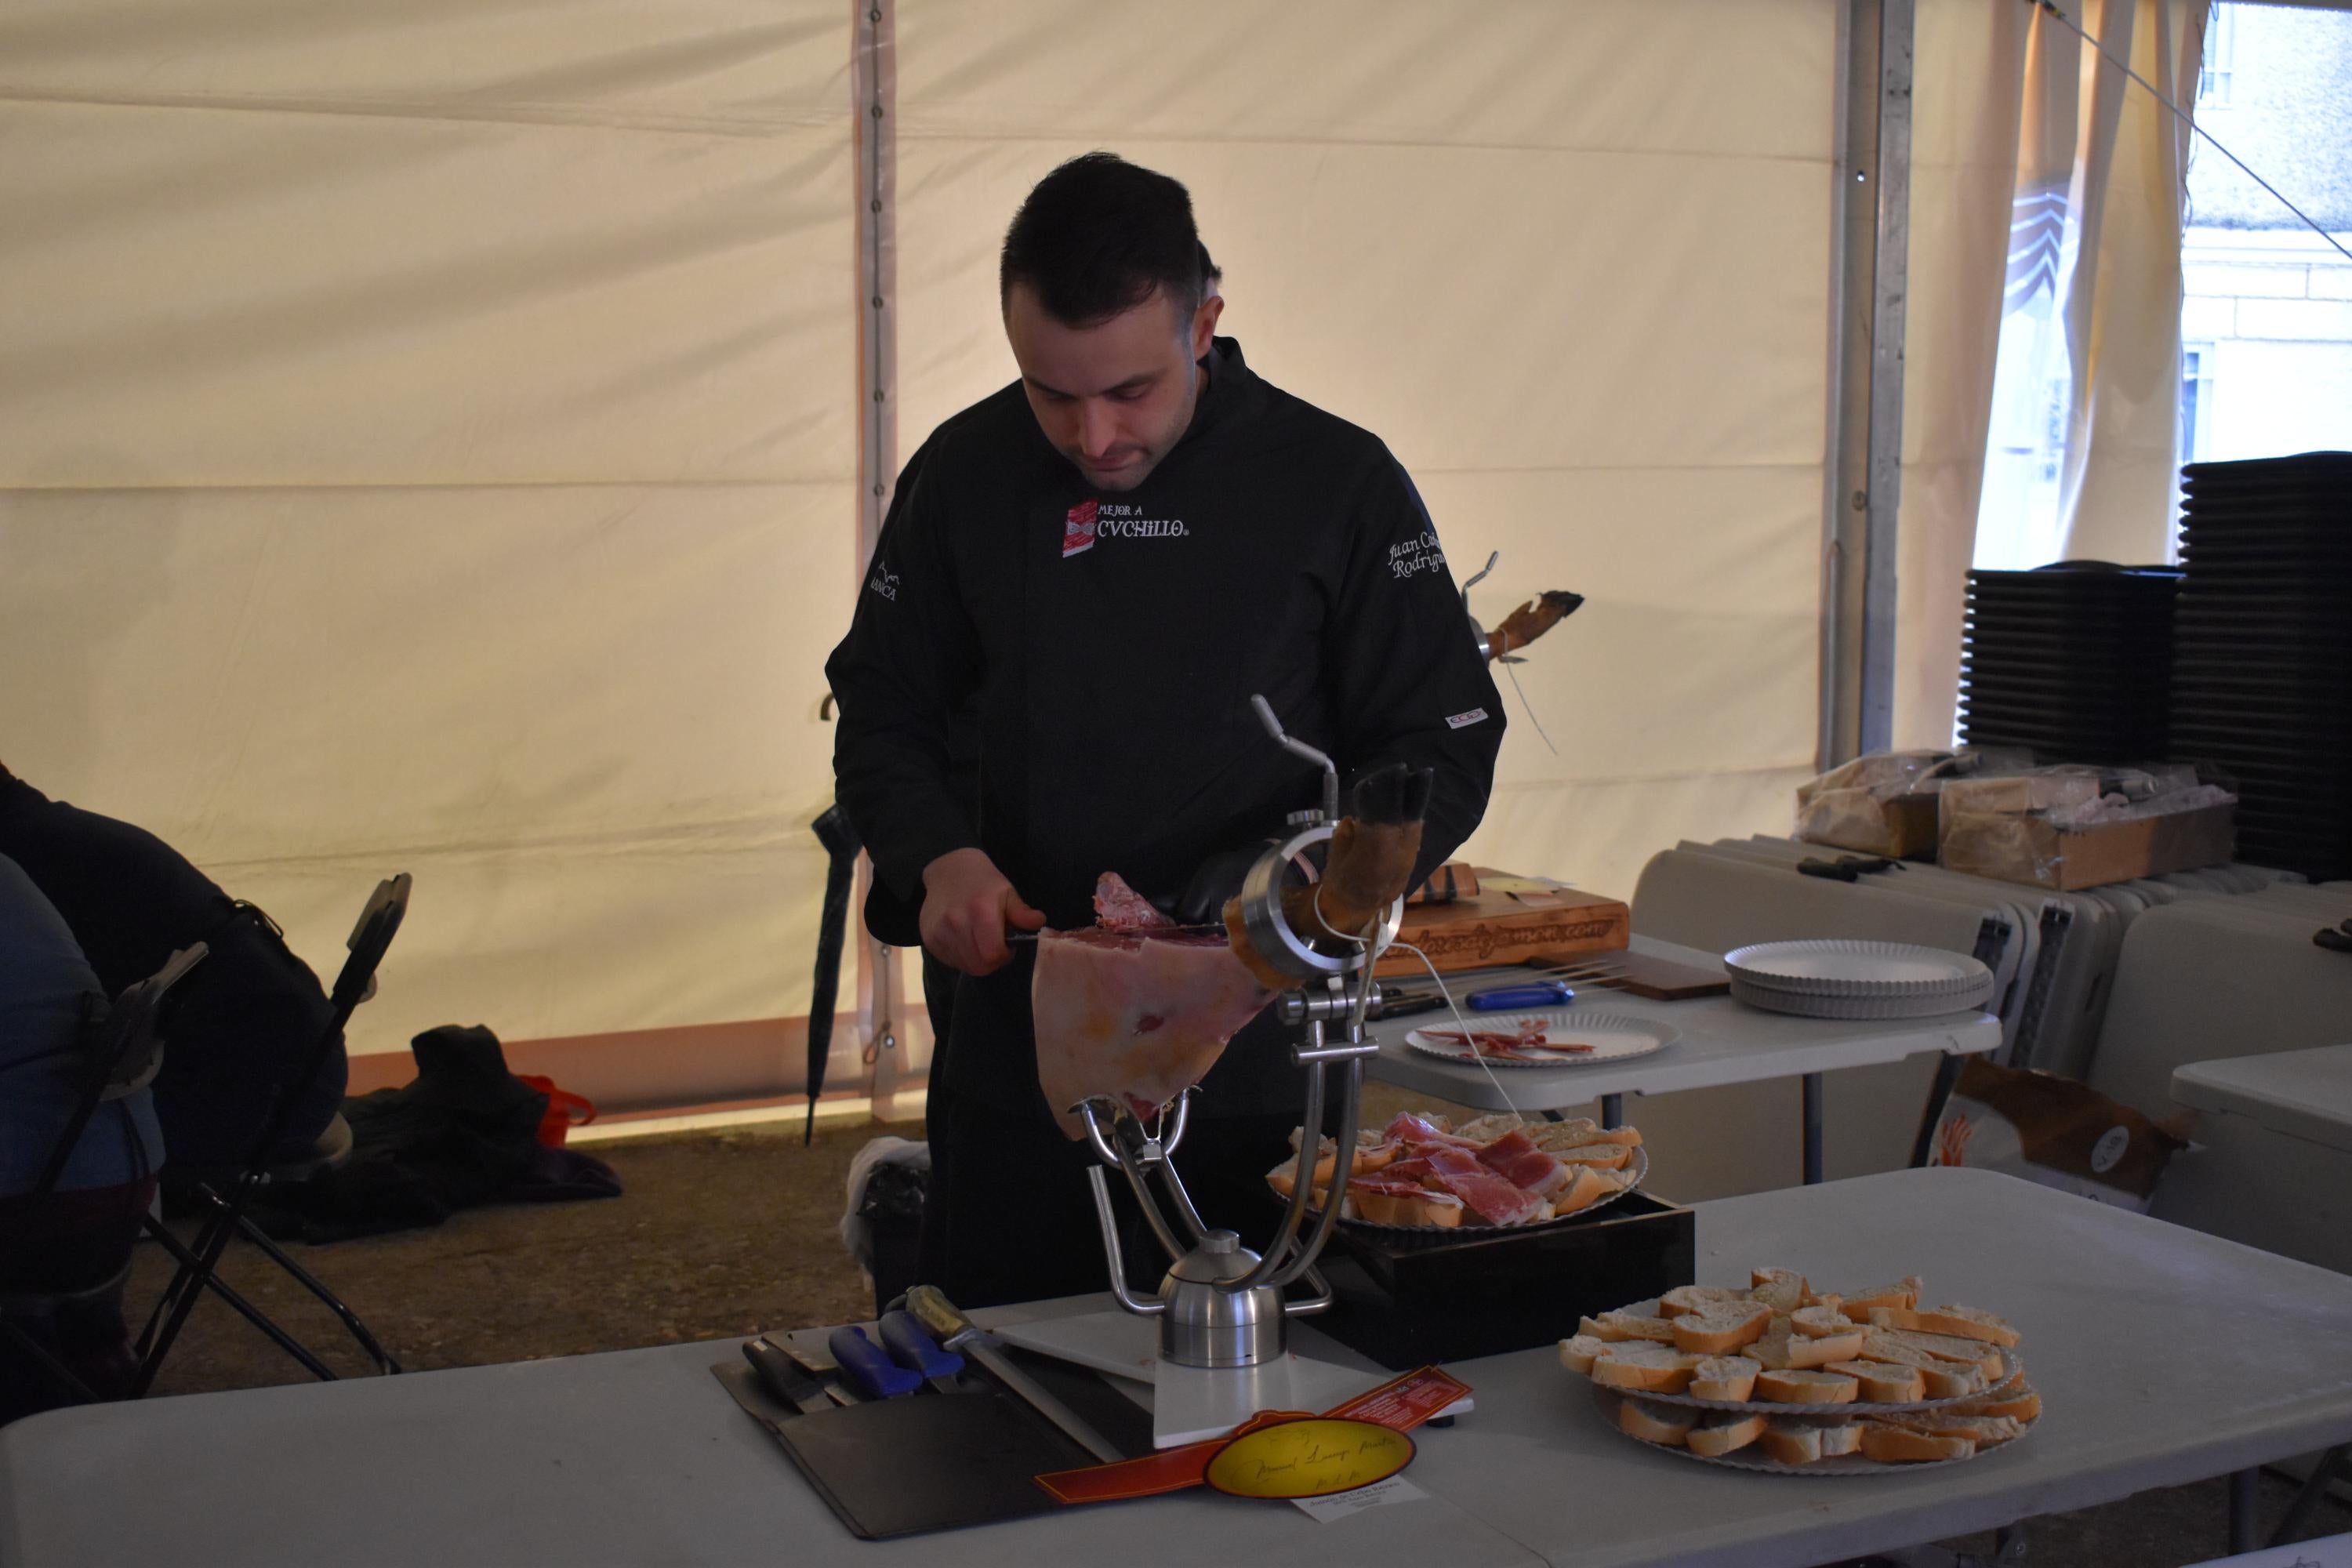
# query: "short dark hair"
[[1098, 235]]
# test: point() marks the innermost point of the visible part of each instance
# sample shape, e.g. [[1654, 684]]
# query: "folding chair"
[[226, 1214], [121, 1050]]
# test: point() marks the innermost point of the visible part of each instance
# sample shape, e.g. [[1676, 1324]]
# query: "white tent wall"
[[428, 432], [1569, 261], [427, 443]]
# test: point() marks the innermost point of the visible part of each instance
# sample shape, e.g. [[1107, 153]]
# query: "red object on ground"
[[565, 1109]]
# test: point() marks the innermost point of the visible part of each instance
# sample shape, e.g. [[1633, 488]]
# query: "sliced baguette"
[[1782, 1289], [1956, 1322], [1903, 1293], [1487, 1129], [1585, 1187], [1944, 1379], [1793, 1441], [1900, 1445], [1724, 1432], [1721, 1328], [1807, 1387], [1628, 1326], [2020, 1404], [1820, 1321], [1579, 1353], [1667, 1424], [1730, 1378], [1696, 1297], [1599, 1156], [1644, 1369], [1884, 1383], [1984, 1430], [1985, 1358], [1578, 1132], [1423, 1208], [1839, 1438]]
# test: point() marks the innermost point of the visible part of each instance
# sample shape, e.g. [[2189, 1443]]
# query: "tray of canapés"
[[1784, 1379]]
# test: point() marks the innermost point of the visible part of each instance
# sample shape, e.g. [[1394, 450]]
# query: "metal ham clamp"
[[1314, 935]]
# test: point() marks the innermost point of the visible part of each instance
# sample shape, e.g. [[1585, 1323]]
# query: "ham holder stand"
[[1220, 1305]]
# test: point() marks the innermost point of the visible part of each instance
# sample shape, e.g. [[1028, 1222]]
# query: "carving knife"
[[957, 1333], [783, 1378]]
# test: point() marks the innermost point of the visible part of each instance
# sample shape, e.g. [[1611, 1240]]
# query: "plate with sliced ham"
[[1418, 1173], [1563, 1038]]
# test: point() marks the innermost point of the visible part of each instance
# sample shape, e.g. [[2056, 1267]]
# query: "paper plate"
[[1857, 1008], [1753, 1456], [1613, 1037], [1854, 969]]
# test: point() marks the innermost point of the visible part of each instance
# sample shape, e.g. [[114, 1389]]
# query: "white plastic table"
[[2162, 1355], [2274, 1150], [639, 1456], [1723, 1042]]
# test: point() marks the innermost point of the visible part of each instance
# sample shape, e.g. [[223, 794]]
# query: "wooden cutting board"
[[1499, 926]]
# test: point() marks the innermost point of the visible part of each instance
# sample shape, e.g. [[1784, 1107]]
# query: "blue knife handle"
[[1512, 998], [911, 1345], [870, 1371]]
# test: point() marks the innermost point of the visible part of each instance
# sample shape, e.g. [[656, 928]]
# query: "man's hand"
[[967, 907]]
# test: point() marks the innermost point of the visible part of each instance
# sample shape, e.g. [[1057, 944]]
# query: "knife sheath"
[[924, 1462]]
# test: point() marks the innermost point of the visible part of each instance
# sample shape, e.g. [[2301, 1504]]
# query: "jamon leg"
[[1136, 1016], [1370, 867]]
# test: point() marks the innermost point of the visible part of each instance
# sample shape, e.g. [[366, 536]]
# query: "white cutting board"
[[1190, 1403]]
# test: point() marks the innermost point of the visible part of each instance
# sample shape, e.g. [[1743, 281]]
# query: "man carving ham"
[[1101, 675]]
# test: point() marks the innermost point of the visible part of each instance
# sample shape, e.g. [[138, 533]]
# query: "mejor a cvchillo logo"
[[1092, 520]]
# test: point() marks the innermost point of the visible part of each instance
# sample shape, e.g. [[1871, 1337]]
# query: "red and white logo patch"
[[1078, 529]]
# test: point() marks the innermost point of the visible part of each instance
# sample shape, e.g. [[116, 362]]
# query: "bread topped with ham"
[[1419, 1171]]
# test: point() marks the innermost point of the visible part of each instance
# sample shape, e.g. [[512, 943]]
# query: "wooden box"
[[2029, 849], [1504, 926]]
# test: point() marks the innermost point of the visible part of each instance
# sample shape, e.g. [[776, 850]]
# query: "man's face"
[[1113, 398]]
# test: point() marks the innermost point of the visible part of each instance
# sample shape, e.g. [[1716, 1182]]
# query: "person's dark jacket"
[[246, 1020], [1109, 644]]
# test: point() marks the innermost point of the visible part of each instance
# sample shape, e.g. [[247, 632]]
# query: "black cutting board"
[[919, 1463]]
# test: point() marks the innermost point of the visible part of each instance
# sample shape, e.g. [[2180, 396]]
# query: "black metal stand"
[[2245, 1510], [2333, 1464], [1812, 1091]]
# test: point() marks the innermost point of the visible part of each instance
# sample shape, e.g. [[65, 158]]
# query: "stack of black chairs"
[[2262, 651], [2074, 661]]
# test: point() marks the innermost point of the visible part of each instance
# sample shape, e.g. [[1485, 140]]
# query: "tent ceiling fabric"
[[432, 448], [432, 443], [1569, 262]]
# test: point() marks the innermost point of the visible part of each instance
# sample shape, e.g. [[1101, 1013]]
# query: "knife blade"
[[911, 1347], [782, 1377], [867, 1367], [957, 1333]]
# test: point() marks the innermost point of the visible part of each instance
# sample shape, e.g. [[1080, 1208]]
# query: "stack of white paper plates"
[[1834, 979]]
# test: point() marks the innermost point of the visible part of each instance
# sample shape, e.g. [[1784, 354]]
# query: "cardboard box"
[[2027, 848], [1511, 920]]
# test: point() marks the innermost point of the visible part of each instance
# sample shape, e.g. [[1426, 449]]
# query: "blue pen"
[[1516, 998]]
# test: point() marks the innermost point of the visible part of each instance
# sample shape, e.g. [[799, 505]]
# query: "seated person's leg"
[[247, 1021]]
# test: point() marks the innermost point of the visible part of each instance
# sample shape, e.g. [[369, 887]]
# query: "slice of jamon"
[[1414, 1132], [1488, 1196], [1119, 907], [1134, 1013], [1515, 1159]]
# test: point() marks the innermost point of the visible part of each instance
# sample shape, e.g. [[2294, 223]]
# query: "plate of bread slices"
[[1779, 1376], [1423, 1174]]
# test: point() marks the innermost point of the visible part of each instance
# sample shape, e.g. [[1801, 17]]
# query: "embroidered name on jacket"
[[1094, 520]]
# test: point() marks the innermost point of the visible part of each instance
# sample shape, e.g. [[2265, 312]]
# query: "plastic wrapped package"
[[1885, 803], [2074, 827]]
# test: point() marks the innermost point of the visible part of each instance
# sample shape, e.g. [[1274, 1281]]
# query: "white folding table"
[[1723, 1042], [2164, 1356]]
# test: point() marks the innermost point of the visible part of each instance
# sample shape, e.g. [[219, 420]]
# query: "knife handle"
[[1510, 998], [783, 1375], [867, 1367], [909, 1346]]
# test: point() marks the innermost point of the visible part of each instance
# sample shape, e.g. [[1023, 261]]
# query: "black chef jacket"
[[1109, 644]]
